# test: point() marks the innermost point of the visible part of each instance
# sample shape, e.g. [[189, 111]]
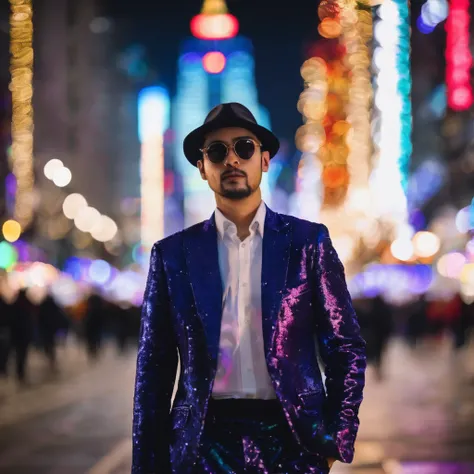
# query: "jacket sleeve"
[[155, 376], [341, 347]]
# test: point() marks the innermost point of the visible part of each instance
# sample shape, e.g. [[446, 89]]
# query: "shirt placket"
[[246, 366]]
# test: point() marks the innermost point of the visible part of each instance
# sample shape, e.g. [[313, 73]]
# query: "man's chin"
[[236, 195]]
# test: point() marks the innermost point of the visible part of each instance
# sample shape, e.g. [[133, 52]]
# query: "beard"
[[236, 194]]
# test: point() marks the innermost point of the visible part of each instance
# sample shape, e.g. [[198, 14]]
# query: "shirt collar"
[[224, 225]]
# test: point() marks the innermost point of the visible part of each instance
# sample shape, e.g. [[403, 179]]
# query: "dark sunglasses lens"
[[244, 149], [217, 152]]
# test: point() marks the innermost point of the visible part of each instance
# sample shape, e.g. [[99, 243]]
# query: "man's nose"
[[232, 159]]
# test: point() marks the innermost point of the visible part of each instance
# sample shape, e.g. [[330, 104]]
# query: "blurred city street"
[[146, 148], [418, 420]]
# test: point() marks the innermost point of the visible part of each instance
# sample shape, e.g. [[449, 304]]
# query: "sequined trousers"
[[252, 436]]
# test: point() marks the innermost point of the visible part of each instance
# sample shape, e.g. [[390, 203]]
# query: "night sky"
[[279, 33]]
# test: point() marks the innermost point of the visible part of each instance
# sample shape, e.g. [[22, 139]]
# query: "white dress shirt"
[[241, 371]]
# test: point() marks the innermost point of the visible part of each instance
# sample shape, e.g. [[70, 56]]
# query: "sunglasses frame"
[[204, 150]]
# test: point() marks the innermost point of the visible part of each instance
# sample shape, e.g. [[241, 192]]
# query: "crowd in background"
[[422, 320], [26, 326]]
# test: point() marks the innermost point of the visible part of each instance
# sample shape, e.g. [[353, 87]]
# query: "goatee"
[[236, 194]]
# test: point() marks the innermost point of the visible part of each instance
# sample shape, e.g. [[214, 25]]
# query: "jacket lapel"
[[203, 266], [275, 257]]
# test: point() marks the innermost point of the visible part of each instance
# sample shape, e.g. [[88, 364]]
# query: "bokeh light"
[[426, 244], [73, 204], [330, 28], [432, 13], [214, 27], [214, 62], [8, 255], [450, 265], [467, 274], [104, 229], [100, 272], [87, 218], [11, 230], [40, 274], [470, 249], [402, 249], [51, 167], [65, 290], [463, 221], [76, 268], [62, 177]]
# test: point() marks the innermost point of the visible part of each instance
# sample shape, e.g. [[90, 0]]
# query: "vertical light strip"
[[153, 120], [458, 56], [404, 88], [21, 87], [190, 107], [392, 117]]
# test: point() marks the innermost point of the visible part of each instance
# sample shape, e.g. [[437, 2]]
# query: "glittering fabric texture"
[[254, 443], [304, 299]]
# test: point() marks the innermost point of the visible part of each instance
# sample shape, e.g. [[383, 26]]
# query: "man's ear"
[[265, 161], [200, 165]]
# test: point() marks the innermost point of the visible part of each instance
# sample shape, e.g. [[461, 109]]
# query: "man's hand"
[[331, 461]]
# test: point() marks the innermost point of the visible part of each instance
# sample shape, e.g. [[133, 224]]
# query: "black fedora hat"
[[232, 114]]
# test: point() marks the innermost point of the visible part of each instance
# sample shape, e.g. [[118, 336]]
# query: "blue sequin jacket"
[[304, 299]]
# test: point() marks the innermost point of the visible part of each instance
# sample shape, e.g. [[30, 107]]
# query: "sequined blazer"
[[305, 308]]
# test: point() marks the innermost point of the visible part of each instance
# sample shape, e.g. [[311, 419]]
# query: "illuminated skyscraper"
[[215, 66]]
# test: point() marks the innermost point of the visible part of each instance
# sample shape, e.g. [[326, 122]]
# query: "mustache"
[[233, 173]]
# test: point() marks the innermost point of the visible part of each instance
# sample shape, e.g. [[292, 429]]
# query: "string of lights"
[[310, 136], [357, 33], [21, 87], [323, 105], [86, 218]]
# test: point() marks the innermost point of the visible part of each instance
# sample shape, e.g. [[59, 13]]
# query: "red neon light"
[[458, 56], [214, 62], [221, 26]]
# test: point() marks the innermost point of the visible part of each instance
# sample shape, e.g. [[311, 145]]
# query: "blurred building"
[[215, 66], [85, 113], [72, 94]]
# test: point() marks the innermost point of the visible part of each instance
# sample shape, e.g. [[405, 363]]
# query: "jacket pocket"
[[179, 417], [311, 402]]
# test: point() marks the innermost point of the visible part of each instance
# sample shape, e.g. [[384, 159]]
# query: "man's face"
[[234, 178]]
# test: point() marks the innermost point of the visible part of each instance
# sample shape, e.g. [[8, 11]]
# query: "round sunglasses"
[[244, 148]]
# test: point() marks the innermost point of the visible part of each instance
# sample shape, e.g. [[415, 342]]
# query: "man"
[[242, 297]]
